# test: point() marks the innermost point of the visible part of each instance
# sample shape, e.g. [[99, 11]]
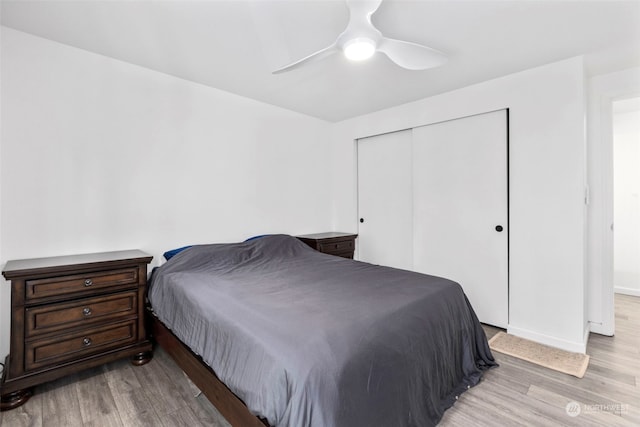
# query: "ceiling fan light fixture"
[[361, 40], [359, 49]]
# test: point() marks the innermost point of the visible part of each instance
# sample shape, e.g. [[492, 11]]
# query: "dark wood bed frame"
[[229, 405]]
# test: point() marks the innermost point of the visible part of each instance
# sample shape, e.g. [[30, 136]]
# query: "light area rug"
[[550, 357]]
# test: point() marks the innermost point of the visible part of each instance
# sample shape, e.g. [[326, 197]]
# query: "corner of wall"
[[4, 293]]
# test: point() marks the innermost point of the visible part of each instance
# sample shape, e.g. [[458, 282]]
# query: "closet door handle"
[[499, 228]]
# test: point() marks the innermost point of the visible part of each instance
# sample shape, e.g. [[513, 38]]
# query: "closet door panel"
[[460, 197], [385, 200]]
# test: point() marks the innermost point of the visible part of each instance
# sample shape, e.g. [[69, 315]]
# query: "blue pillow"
[[256, 237], [170, 254]]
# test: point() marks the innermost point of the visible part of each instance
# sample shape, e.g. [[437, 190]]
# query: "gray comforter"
[[309, 339]]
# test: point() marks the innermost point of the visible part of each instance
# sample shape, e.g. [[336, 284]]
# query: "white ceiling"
[[234, 45]]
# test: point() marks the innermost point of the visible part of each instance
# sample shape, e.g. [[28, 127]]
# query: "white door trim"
[[603, 91]]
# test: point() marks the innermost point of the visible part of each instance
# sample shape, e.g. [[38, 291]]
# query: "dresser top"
[[23, 267], [327, 235]]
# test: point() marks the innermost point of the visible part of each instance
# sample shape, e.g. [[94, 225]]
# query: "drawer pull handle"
[[86, 342], [88, 282], [86, 311]]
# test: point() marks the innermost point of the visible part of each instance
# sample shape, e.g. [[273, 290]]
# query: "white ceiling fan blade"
[[321, 54], [411, 56]]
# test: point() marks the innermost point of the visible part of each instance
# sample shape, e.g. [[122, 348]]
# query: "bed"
[[276, 333]]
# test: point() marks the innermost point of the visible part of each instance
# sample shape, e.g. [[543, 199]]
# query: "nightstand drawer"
[[55, 317], [336, 247], [68, 347], [81, 283]]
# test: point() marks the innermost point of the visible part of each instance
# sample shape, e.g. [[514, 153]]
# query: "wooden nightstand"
[[334, 243], [72, 313]]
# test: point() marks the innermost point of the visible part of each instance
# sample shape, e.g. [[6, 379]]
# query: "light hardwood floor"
[[515, 394]]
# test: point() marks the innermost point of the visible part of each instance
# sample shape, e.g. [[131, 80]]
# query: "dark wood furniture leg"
[[142, 358], [15, 399]]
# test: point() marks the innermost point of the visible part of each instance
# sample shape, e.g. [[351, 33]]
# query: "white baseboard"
[[572, 346], [602, 329], [627, 291]]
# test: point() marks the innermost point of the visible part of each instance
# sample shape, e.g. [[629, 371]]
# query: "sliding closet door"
[[385, 200], [460, 208]]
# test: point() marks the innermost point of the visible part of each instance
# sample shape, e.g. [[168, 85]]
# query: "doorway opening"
[[626, 196]]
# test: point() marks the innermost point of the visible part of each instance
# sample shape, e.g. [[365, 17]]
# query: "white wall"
[[602, 91], [626, 206], [101, 155], [4, 291], [547, 186]]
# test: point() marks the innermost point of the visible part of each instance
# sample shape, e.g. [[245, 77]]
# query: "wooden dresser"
[[334, 243], [71, 313]]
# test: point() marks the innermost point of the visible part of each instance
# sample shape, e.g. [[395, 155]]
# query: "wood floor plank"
[[614, 375], [500, 377], [160, 389], [131, 399], [519, 404], [26, 415], [96, 401], [22, 417], [476, 414], [495, 408], [121, 376], [135, 409], [183, 417], [61, 406]]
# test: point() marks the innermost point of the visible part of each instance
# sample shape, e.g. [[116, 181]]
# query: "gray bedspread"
[[309, 339]]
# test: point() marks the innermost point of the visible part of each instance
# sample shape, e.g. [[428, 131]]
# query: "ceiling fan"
[[360, 40]]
